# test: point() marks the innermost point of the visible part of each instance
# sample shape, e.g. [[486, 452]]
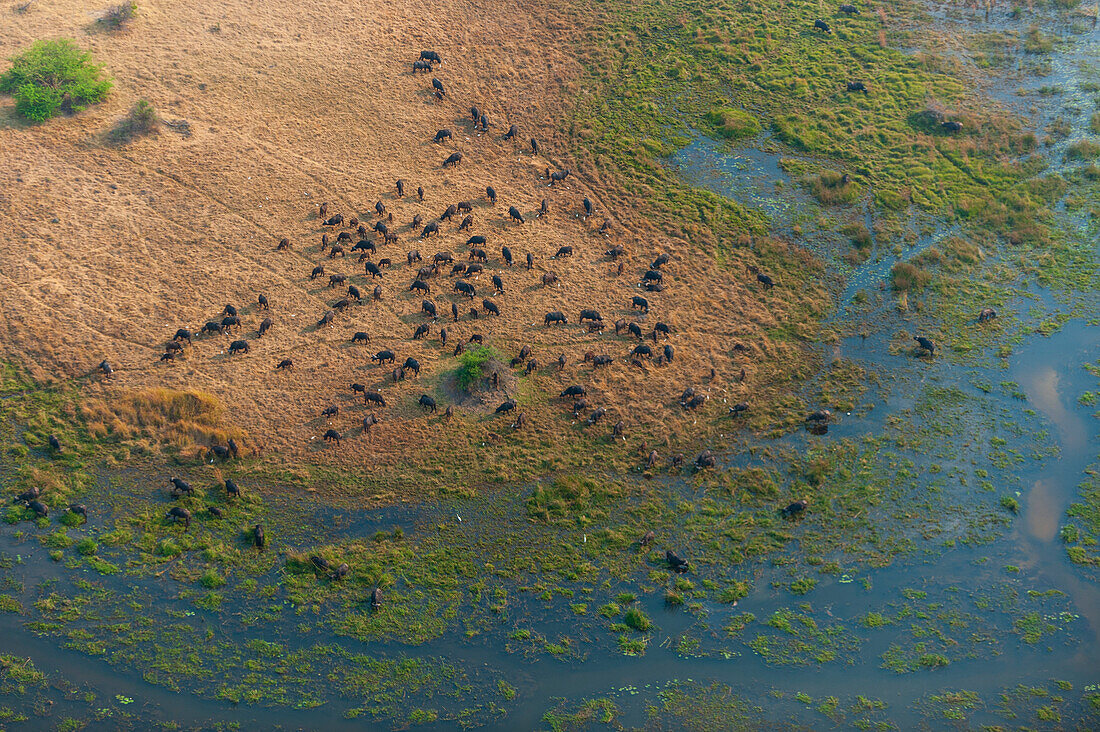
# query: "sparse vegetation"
[[117, 16], [141, 120]]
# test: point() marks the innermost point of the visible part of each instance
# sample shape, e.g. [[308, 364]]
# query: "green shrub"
[[52, 77], [1010, 503], [211, 580], [733, 124], [87, 546], [472, 366], [141, 120], [637, 619]]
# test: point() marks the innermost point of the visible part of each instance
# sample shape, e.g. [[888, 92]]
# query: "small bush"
[[1082, 150], [52, 77], [733, 124], [472, 366], [211, 580], [118, 16], [140, 121], [832, 188], [1010, 503], [637, 619], [87, 546], [905, 277]]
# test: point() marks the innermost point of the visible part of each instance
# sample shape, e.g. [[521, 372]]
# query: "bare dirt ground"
[[106, 251]]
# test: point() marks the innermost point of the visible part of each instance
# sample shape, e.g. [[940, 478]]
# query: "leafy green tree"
[[54, 76]]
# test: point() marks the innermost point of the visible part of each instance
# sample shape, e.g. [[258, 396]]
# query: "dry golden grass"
[[105, 251]]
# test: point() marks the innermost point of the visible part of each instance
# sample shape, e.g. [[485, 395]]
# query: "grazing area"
[[549, 366]]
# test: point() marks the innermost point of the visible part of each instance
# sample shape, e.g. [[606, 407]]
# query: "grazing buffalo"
[[926, 344], [376, 293], [465, 288], [336, 279], [318, 271], [558, 176], [411, 364], [821, 416], [705, 460], [420, 286], [360, 337], [372, 269], [565, 251], [530, 260], [353, 291], [413, 255], [739, 409], [373, 397], [616, 251], [284, 243], [466, 223], [484, 122], [661, 328], [498, 285], [383, 356], [478, 255], [265, 326], [642, 351], [588, 207], [668, 353], [794, 509], [369, 421], [555, 317], [438, 86], [653, 275], [326, 319], [695, 402], [421, 66], [452, 160], [490, 307], [765, 281], [475, 114], [986, 315], [597, 415], [332, 411], [258, 537], [427, 402], [849, 9], [180, 486], [420, 192], [336, 220], [213, 327], [589, 315], [515, 215], [431, 57], [857, 86], [239, 347], [675, 563], [428, 308], [421, 331], [511, 133], [182, 335], [341, 305], [507, 406], [376, 599], [179, 513], [332, 436], [635, 330], [285, 365], [231, 321], [231, 488], [549, 278], [449, 213], [573, 391], [639, 302], [822, 26], [661, 260], [432, 228], [951, 126]]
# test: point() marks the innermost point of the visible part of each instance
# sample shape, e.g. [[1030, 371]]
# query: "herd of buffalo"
[[449, 289]]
